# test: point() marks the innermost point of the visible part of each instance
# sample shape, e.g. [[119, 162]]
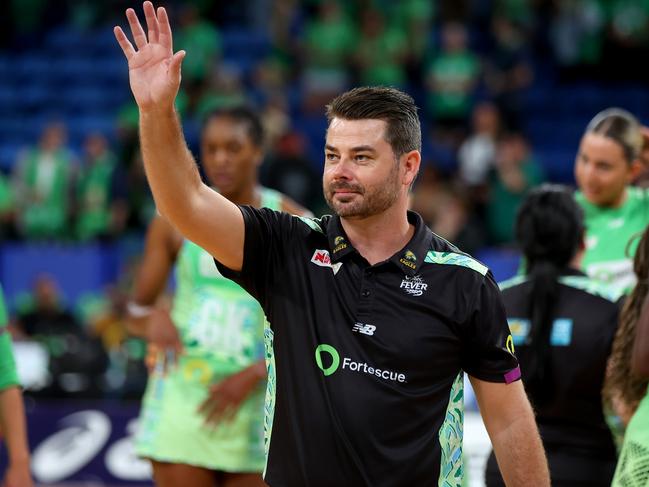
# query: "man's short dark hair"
[[395, 107], [240, 114]]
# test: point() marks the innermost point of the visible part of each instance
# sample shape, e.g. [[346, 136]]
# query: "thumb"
[[174, 65]]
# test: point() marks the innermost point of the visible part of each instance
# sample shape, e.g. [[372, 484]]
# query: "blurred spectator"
[[577, 34], [414, 18], [447, 210], [516, 172], [628, 38], [223, 89], [508, 72], [642, 179], [76, 360], [381, 52], [43, 311], [140, 200], [451, 79], [6, 206], [42, 185], [202, 42], [275, 119], [477, 153], [424, 198], [289, 171], [327, 45], [101, 200], [105, 314]]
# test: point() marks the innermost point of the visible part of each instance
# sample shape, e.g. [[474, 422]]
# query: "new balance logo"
[[363, 328]]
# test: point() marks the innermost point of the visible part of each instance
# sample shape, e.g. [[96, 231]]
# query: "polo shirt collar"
[[409, 259]]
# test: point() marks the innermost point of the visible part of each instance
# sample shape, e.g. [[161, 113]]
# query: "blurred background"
[[505, 88]]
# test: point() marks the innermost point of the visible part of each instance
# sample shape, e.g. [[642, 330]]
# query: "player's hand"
[[154, 69], [225, 397], [18, 475], [164, 343]]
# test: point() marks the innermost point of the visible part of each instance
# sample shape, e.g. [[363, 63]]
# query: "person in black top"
[[562, 324], [372, 317]]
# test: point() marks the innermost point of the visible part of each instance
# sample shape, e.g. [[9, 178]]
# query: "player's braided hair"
[[621, 383], [549, 230]]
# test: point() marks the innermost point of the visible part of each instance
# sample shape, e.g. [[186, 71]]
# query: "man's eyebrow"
[[359, 148], [363, 148]]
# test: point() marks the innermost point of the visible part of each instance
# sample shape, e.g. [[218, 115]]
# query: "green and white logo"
[[351, 365], [335, 358]]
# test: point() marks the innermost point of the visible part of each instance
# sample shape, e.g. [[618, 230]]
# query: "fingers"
[[151, 22], [174, 67], [124, 43], [136, 29], [164, 34]]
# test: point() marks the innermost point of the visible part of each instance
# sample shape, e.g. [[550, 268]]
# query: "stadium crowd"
[[505, 89]]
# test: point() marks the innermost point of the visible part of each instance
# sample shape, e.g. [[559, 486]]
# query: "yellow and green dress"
[[222, 330]]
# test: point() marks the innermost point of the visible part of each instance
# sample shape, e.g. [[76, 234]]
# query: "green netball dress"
[[633, 464], [610, 232], [222, 330]]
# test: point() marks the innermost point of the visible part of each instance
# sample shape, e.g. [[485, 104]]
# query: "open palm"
[[154, 70]]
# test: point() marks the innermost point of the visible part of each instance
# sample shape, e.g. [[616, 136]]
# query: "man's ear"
[[411, 164]]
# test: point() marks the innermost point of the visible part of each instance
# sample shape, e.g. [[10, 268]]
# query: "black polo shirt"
[[365, 362], [585, 322]]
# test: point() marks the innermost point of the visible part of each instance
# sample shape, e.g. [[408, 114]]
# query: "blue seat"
[[9, 153], [504, 263], [558, 164], [80, 127], [33, 67], [78, 269], [64, 40], [8, 101], [87, 100]]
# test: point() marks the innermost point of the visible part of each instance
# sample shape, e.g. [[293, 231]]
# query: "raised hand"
[[154, 69]]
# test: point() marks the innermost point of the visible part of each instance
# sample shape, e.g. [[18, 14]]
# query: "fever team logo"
[[415, 286]]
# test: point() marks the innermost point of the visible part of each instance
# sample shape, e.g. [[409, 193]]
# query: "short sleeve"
[[489, 349], [269, 236]]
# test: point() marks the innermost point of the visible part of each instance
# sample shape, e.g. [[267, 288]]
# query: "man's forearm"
[[170, 167], [520, 454]]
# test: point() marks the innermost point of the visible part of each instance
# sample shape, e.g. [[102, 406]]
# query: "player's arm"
[[198, 212], [510, 422], [144, 319], [290, 206], [12, 413], [14, 430]]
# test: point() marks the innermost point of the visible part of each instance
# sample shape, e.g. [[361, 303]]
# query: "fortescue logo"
[[353, 366]]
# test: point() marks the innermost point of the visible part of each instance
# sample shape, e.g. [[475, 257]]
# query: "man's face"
[[601, 170], [229, 157], [361, 176]]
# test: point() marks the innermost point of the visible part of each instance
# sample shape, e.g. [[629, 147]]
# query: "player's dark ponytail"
[[549, 230]]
